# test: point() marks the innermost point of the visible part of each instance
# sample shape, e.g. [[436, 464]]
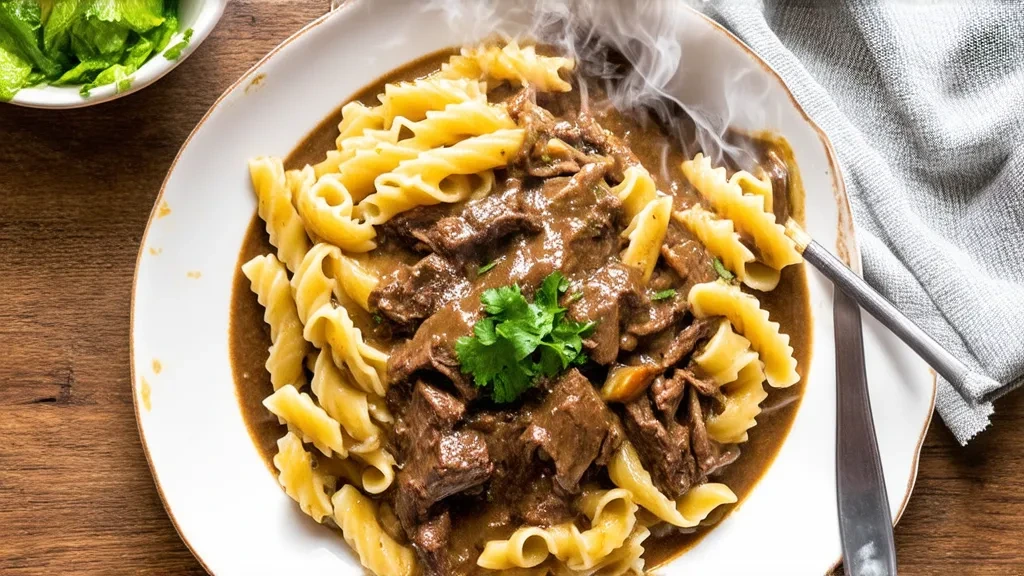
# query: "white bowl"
[[226, 505], [200, 15]]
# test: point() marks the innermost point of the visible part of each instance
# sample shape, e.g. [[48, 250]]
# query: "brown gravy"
[[789, 305]]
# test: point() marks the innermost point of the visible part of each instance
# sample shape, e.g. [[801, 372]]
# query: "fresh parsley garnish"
[[377, 318], [486, 267], [517, 342], [722, 271], [664, 294]]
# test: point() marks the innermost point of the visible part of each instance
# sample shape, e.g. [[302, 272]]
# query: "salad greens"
[[82, 42]]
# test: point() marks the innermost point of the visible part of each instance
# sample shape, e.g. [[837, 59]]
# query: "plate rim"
[[839, 194]]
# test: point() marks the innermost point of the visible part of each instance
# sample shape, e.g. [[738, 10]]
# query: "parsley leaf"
[[518, 342], [722, 271], [664, 294]]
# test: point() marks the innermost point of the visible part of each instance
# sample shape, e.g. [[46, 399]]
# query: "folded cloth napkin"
[[924, 103]]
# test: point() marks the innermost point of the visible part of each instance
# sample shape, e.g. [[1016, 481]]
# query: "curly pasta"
[[274, 205], [752, 185], [302, 415], [724, 355], [412, 100], [520, 66], [311, 285], [696, 504], [378, 472], [332, 326], [356, 281], [636, 190], [357, 118], [427, 179], [454, 123], [628, 559], [745, 313], [742, 404], [626, 471], [308, 486], [354, 143], [612, 514], [378, 552], [288, 350], [718, 236], [646, 233], [344, 403], [327, 209], [747, 211]]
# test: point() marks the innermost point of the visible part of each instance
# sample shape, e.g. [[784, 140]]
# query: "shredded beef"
[[667, 393], [664, 448], [684, 343]]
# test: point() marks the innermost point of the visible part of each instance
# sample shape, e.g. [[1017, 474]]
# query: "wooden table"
[[76, 495]]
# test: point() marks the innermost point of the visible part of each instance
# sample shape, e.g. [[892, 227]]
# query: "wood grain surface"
[[76, 495]]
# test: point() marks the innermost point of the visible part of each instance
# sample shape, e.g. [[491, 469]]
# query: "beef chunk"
[[664, 448], [571, 427], [583, 221], [412, 294], [684, 343], [407, 228], [433, 409], [606, 294], [483, 222], [438, 462], [544, 504], [429, 351], [658, 316], [587, 131], [450, 463], [667, 393], [688, 258], [431, 543]]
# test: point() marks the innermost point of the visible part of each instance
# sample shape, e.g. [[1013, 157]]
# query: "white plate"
[[230, 511], [199, 15]]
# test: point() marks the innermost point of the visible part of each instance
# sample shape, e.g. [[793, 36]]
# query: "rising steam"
[[591, 30]]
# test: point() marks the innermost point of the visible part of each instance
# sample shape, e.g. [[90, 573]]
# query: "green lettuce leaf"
[[85, 71], [174, 52], [15, 71], [87, 42], [138, 15], [57, 31], [138, 54], [118, 74], [92, 37], [21, 21], [162, 34]]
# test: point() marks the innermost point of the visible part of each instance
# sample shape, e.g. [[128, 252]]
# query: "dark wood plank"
[[76, 496]]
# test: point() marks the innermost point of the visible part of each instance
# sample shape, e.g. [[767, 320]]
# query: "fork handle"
[[941, 360]]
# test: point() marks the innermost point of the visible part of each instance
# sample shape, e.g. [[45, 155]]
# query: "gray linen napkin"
[[924, 102]]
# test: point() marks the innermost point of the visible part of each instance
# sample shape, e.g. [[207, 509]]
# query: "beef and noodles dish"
[[511, 329]]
